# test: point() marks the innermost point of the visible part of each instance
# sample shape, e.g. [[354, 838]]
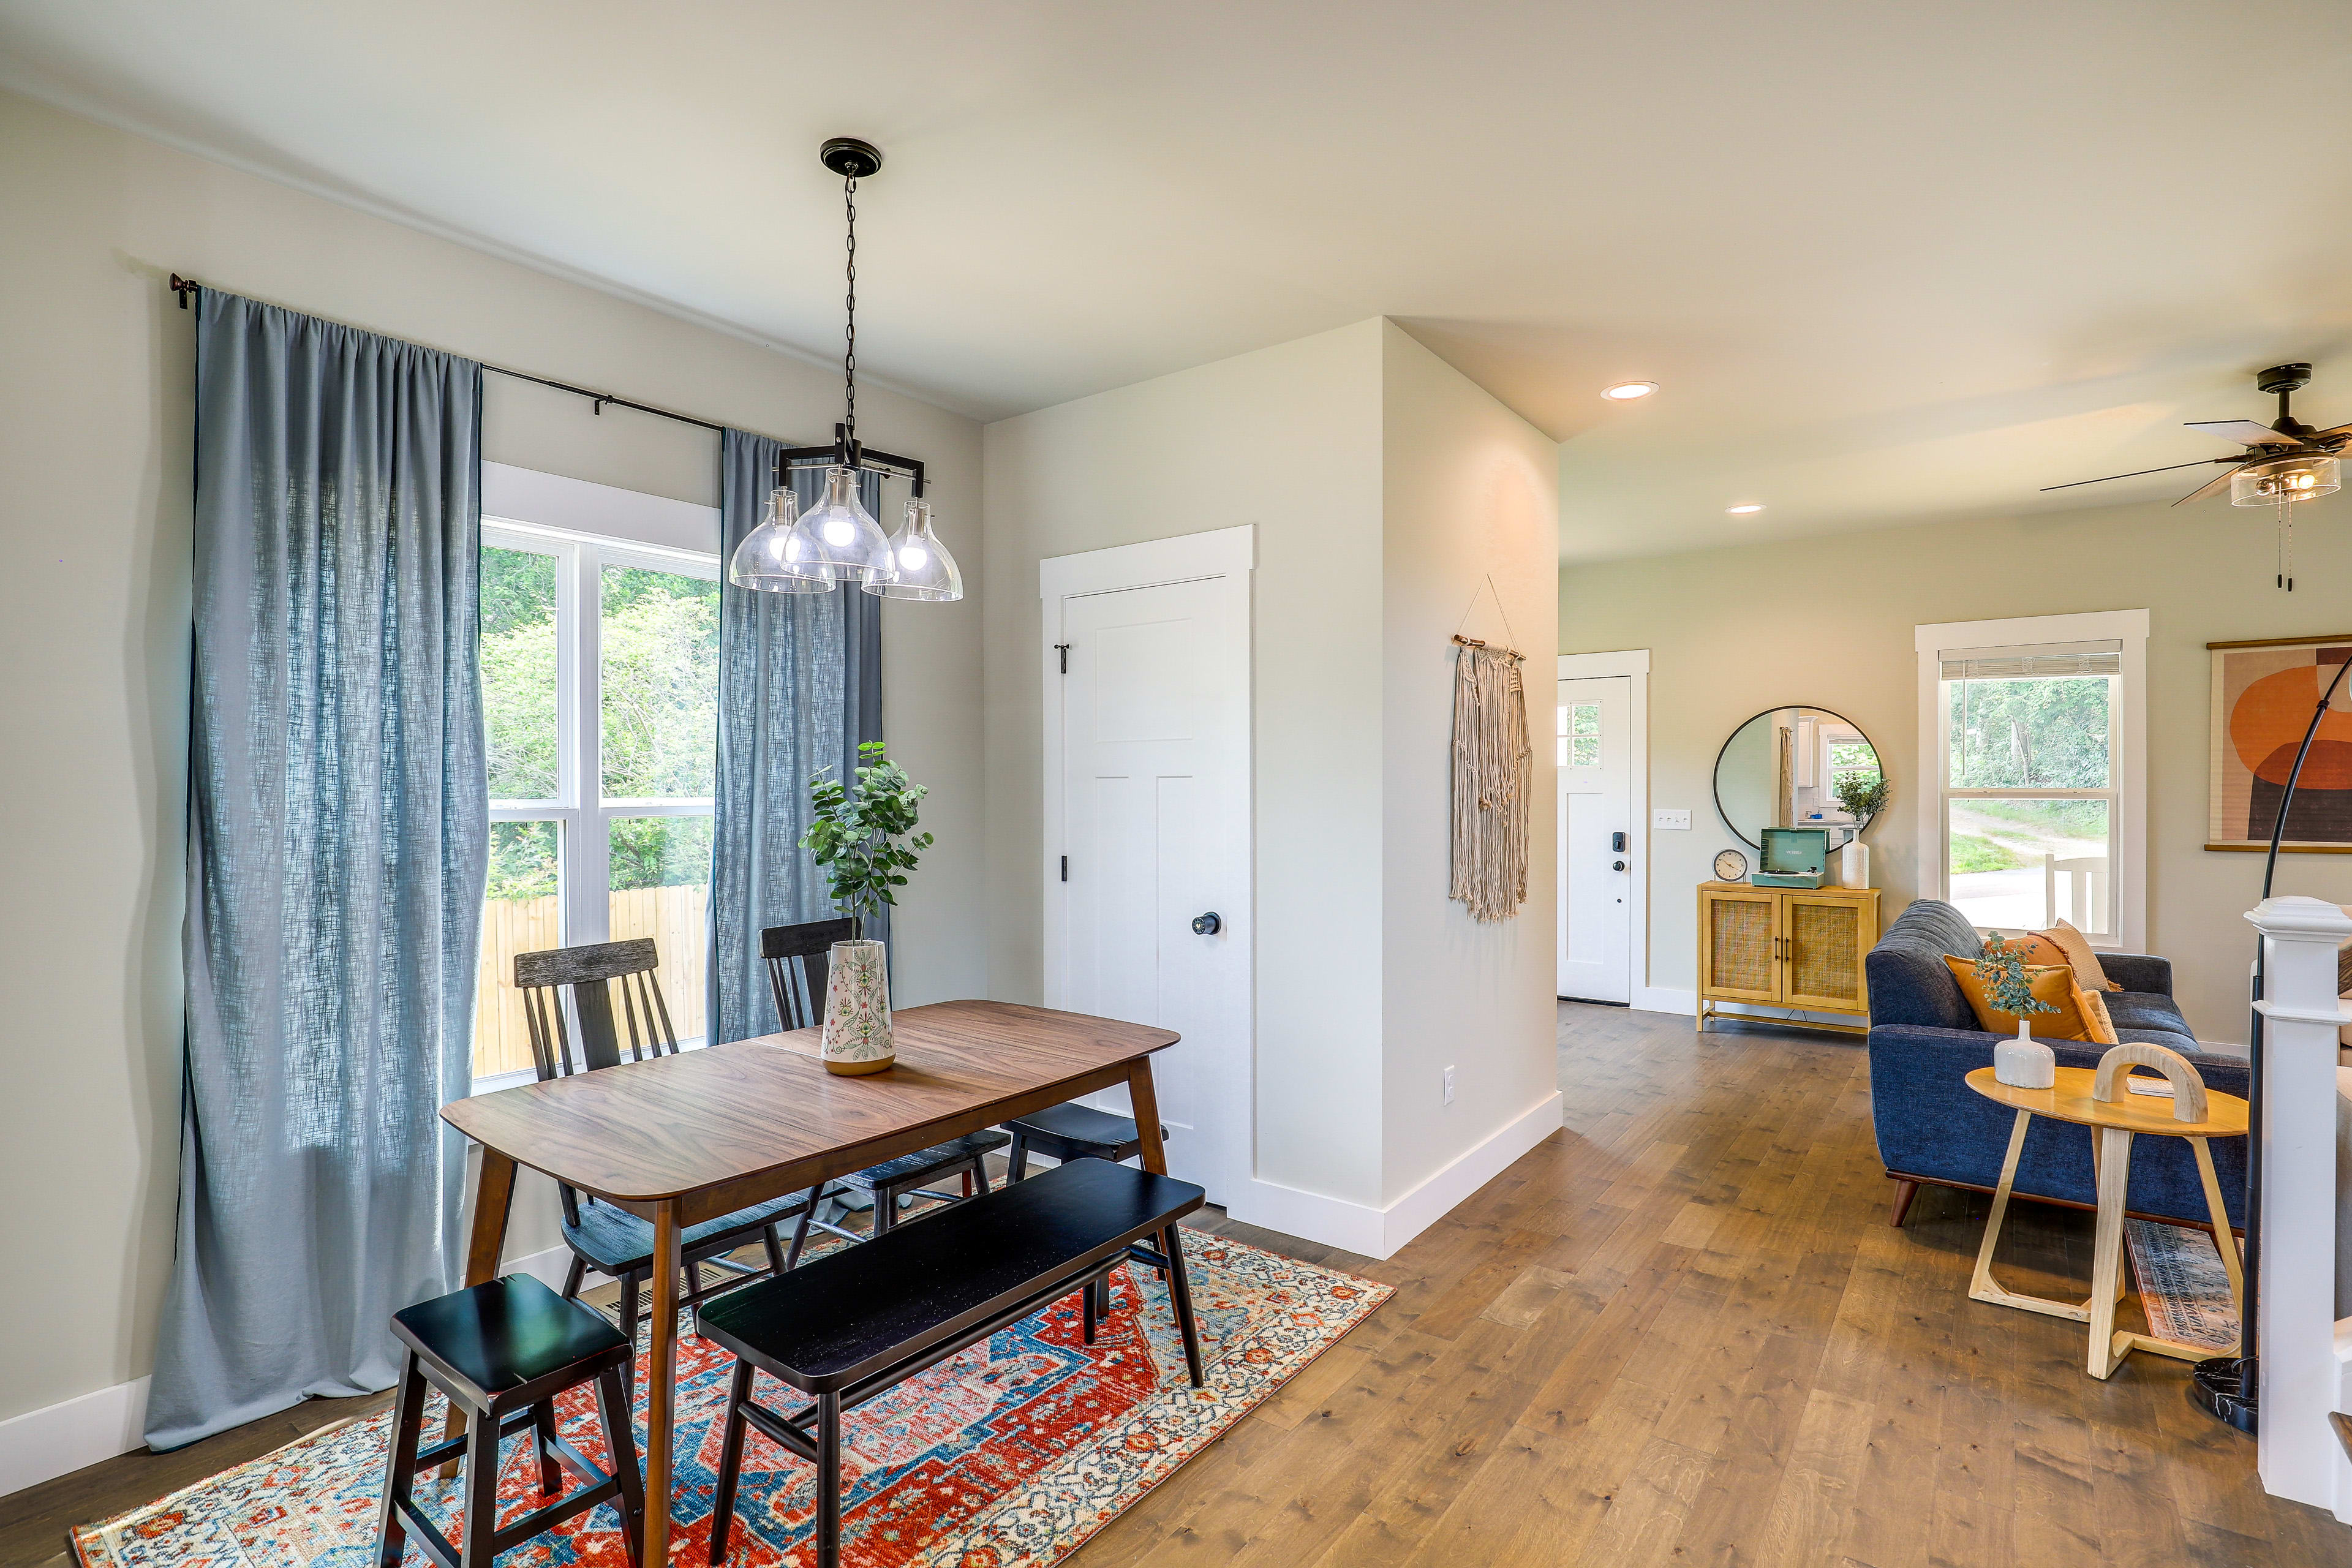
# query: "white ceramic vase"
[[1854, 864], [2021, 1063], [857, 1038]]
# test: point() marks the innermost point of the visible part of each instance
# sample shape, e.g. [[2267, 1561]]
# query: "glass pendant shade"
[[925, 569], [773, 557], [2281, 479], [839, 536]]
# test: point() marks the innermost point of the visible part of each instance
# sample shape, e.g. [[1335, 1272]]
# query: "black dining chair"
[[613, 984], [795, 956]]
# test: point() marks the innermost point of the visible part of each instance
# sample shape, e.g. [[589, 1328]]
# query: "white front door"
[[1591, 723], [1153, 803]]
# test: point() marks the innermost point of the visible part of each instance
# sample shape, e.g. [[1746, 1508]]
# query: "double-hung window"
[[600, 674], [2034, 804]]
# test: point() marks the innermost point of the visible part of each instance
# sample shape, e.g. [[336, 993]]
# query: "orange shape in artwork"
[[2267, 723]]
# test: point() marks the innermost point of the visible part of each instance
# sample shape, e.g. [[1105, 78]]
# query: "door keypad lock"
[[1208, 924], [1617, 845]]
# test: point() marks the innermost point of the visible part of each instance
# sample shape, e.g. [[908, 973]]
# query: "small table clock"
[[1731, 865]]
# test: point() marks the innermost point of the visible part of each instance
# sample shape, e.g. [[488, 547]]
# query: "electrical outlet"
[[1449, 1086], [1670, 821]]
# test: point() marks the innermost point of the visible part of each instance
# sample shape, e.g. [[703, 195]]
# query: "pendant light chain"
[[849, 356]]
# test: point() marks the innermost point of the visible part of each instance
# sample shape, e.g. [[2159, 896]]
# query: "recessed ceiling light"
[[1626, 391], [1743, 509]]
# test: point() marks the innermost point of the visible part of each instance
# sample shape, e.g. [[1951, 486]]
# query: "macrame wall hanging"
[[1493, 776]]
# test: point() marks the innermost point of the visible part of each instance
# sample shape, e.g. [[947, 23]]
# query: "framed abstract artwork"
[[2263, 695]]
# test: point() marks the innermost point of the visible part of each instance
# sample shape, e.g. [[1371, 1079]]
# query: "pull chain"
[[849, 355]]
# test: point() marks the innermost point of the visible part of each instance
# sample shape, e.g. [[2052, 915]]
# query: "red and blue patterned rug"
[[1008, 1455]]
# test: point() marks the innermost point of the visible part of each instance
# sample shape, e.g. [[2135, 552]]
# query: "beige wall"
[[1726, 643], [96, 371], [1286, 439], [1469, 492], [1384, 486]]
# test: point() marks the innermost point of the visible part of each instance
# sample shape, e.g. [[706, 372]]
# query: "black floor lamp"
[[2229, 1386]]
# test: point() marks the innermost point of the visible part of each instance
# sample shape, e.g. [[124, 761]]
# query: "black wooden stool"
[[1073, 1132], [501, 1352]]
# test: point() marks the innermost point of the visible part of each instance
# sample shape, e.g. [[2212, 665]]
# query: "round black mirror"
[[1798, 767]]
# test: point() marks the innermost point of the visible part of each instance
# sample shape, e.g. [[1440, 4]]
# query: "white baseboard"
[[549, 1268], [58, 1439], [1381, 1232], [1665, 999], [1334, 1222]]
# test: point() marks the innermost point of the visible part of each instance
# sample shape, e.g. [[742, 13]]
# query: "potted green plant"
[[2023, 1062], [1862, 796], [862, 833]]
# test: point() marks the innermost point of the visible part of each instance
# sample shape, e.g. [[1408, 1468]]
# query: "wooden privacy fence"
[[673, 917]]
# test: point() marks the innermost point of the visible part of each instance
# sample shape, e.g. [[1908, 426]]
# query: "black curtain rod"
[[885, 462]]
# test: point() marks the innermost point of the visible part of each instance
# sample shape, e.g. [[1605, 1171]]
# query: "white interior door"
[[1153, 834], [1592, 724]]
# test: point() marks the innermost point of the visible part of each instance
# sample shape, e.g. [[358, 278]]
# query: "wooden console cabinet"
[[1786, 947]]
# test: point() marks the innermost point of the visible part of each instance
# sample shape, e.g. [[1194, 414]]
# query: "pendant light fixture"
[[837, 540], [923, 568]]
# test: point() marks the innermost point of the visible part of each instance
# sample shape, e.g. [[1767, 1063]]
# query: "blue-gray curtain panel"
[[800, 686], [338, 829]]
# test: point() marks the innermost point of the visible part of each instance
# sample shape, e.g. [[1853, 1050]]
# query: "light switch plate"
[[1670, 821]]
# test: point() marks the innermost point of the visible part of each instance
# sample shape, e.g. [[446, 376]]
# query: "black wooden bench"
[[852, 1324]]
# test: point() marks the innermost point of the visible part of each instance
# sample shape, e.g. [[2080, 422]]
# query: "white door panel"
[[1154, 796], [1592, 725]]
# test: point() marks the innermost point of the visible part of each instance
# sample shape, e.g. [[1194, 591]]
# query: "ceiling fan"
[[2284, 462]]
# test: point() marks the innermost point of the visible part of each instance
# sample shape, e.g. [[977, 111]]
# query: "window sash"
[[584, 813]]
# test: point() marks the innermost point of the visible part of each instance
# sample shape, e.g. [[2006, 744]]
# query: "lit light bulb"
[[839, 530], [924, 567]]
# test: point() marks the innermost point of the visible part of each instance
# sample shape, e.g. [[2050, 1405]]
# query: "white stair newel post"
[[2302, 1380]]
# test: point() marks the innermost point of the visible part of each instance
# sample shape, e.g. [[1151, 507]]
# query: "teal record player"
[[1793, 858]]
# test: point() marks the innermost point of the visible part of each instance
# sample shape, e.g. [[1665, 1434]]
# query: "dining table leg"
[[1145, 1103], [661, 1385], [494, 1187]]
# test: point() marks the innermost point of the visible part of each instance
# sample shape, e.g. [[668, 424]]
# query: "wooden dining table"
[[682, 1139]]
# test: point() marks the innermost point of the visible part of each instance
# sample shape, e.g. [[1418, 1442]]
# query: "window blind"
[[2028, 662]]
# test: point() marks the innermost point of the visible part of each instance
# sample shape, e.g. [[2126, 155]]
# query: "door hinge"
[[1066, 868], [1064, 650]]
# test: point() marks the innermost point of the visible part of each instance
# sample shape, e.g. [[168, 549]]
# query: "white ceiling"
[[1890, 261]]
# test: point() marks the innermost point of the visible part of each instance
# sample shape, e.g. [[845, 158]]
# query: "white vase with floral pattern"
[[857, 1038]]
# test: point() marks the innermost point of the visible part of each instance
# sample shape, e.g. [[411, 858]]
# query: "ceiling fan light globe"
[[2285, 480]]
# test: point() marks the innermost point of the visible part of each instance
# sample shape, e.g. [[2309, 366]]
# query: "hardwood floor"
[[1680, 1333]]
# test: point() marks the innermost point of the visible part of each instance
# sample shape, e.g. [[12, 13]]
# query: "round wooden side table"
[[2114, 1121]]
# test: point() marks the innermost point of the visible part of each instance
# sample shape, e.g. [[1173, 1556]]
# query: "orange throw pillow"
[[2053, 985], [2038, 950]]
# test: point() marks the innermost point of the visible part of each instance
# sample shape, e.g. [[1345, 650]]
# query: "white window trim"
[[2127, 627], [620, 528]]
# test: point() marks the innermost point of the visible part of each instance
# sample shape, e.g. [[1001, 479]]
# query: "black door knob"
[[1617, 865], [1207, 925]]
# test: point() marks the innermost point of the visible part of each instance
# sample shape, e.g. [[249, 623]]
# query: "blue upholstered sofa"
[[1934, 1129]]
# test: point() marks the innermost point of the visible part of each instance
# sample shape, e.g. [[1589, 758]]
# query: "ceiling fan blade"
[[2137, 472], [2245, 432], [2332, 432], [2206, 489]]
